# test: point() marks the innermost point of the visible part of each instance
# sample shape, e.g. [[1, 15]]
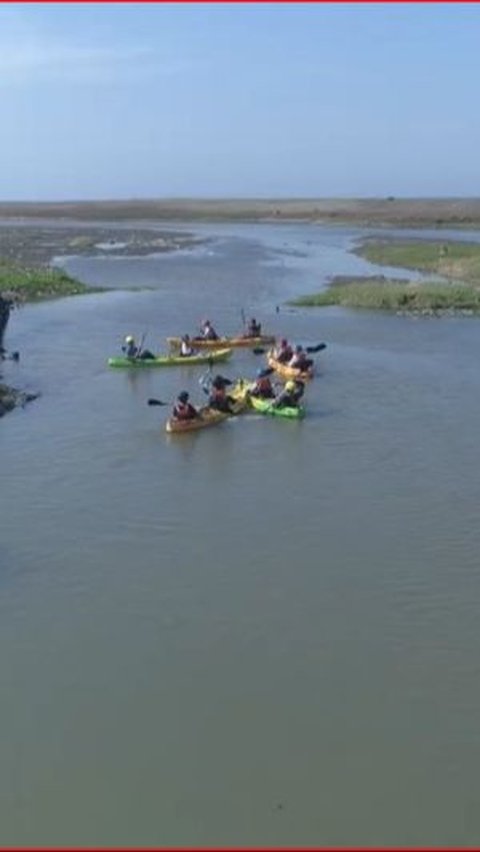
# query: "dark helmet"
[[186, 338], [284, 342], [219, 382], [183, 396]]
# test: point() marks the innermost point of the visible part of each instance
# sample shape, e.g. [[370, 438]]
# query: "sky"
[[153, 100]]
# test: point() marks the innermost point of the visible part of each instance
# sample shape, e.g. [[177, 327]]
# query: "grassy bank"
[[393, 295], [457, 262], [34, 283]]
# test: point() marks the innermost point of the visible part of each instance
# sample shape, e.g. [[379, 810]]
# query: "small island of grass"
[[457, 262], [35, 283]]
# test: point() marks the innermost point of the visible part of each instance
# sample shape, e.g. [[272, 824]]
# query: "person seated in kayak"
[[186, 349], [290, 396], [183, 409], [263, 386], [218, 397], [299, 359], [254, 328], [284, 352], [133, 351], [208, 331]]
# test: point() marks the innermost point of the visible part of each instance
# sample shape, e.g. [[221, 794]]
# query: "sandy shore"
[[400, 212]]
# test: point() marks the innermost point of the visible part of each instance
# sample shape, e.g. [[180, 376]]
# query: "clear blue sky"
[[218, 100]]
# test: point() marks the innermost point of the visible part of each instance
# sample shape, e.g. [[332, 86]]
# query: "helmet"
[[290, 385], [183, 396], [284, 342], [129, 339]]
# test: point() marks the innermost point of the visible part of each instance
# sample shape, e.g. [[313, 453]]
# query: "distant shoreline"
[[367, 212]]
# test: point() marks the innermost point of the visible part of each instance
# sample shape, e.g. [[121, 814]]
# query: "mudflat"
[[400, 212]]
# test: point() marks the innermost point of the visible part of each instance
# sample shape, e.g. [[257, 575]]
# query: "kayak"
[[208, 417], [289, 372], [200, 343], [172, 360], [264, 406]]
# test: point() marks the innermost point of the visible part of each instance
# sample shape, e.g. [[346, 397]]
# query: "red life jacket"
[[184, 411]]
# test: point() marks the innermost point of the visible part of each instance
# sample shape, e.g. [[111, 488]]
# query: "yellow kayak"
[[201, 343], [289, 372], [208, 417]]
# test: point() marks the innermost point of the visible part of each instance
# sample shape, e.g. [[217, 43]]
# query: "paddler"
[[299, 359], [290, 396], [263, 387], [186, 349], [218, 397], [208, 331], [183, 409], [254, 328], [131, 349], [284, 352]]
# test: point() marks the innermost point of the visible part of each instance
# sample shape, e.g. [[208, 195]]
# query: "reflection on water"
[[261, 633]]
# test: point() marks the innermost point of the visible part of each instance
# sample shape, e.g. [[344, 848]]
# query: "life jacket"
[[263, 386], [284, 354], [184, 411], [209, 333]]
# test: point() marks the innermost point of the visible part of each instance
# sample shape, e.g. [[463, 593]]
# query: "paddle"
[[9, 356], [153, 401], [318, 348]]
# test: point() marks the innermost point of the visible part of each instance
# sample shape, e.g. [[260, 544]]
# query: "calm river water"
[[264, 633]]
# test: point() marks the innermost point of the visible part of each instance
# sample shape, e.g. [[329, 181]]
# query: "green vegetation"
[[36, 283], [393, 295], [457, 262], [452, 260]]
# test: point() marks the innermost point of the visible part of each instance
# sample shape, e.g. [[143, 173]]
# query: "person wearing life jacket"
[[208, 331], [186, 349], [299, 359], [218, 397], [284, 352], [254, 328], [290, 396], [263, 386], [131, 349], [183, 409]]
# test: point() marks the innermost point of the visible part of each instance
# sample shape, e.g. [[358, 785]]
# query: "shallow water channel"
[[263, 633]]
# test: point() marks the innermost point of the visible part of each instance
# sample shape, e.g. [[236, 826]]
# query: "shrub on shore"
[[31, 283]]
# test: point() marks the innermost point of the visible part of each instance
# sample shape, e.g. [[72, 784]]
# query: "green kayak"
[[172, 360], [264, 406]]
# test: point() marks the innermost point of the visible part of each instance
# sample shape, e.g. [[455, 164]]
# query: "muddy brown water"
[[265, 633]]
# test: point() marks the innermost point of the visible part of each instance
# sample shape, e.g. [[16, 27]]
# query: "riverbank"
[[458, 263], [377, 212], [29, 284]]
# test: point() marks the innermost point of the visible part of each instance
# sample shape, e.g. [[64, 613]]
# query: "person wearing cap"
[[218, 397], [183, 409], [131, 349], [290, 396], [263, 386]]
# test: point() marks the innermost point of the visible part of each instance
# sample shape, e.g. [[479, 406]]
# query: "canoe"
[[289, 372], [172, 360], [199, 343], [264, 406], [208, 417]]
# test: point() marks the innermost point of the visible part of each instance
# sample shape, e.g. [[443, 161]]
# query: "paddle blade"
[[258, 351], [156, 402], [318, 348]]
